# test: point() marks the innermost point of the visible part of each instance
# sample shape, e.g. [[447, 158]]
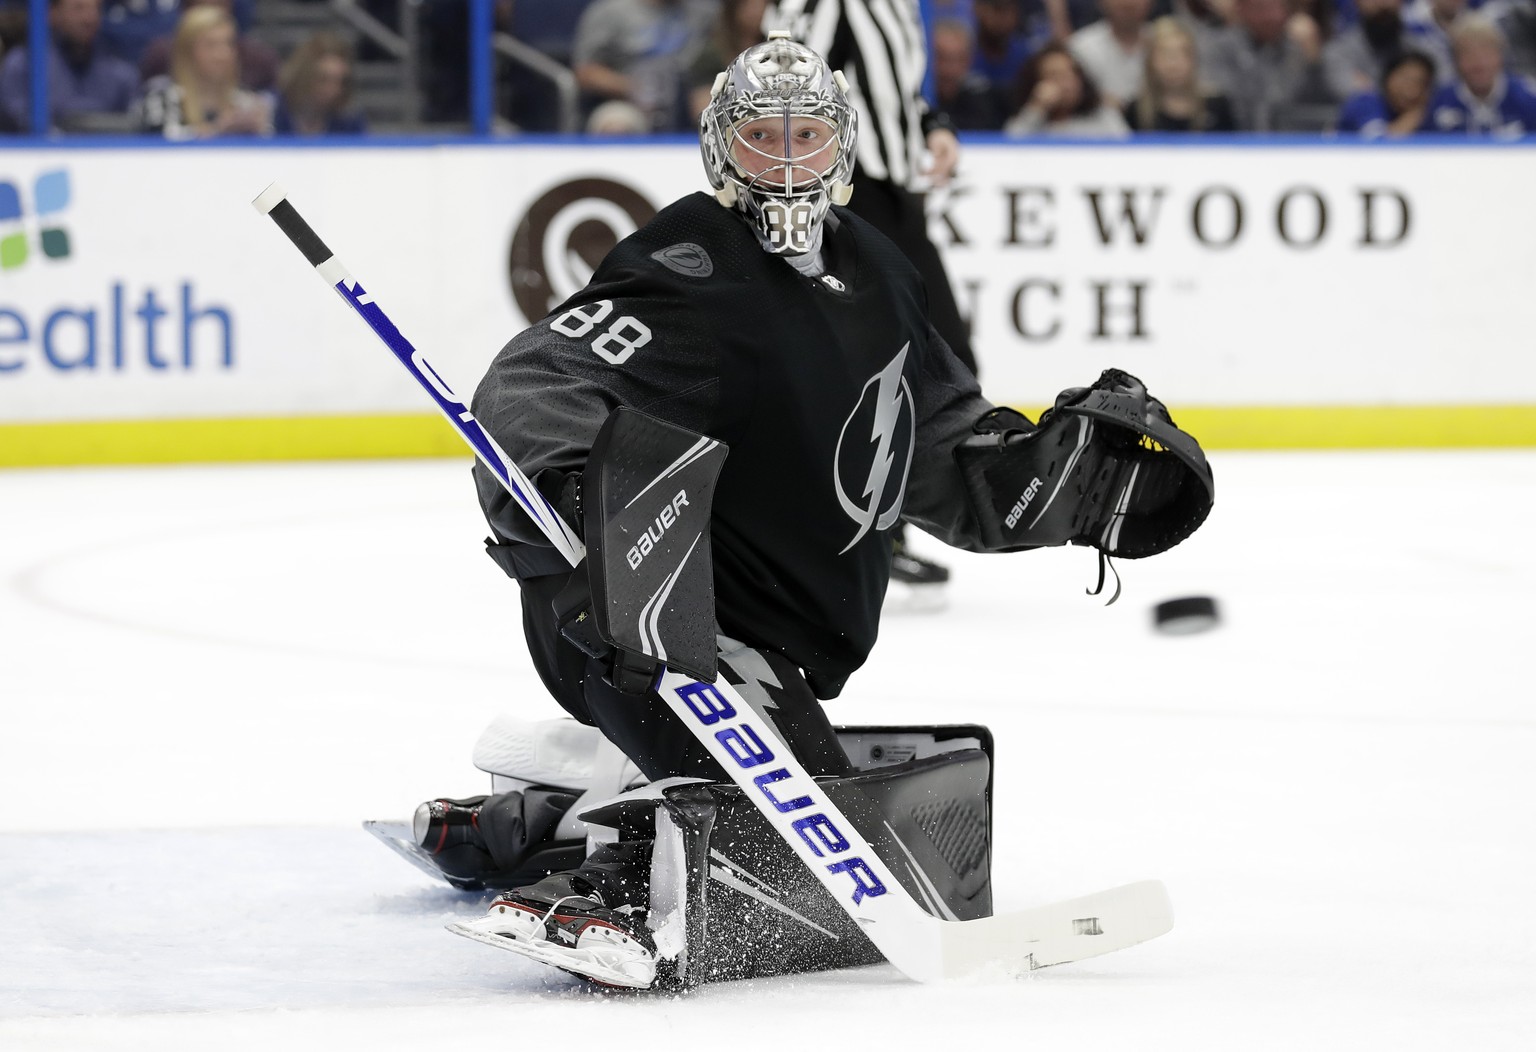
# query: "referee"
[[881, 48]]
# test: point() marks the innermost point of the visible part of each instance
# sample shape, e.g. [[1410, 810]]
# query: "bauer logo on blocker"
[[665, 520]]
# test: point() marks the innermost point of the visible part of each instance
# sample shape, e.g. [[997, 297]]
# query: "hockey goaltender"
[[749, 397]]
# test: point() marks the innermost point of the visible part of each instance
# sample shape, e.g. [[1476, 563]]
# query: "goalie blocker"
[[647, 598], [1106, 467]]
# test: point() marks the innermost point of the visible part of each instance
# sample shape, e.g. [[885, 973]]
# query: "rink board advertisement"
[[147, 311]]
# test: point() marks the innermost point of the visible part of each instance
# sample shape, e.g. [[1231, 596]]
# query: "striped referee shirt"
[[879, 46]]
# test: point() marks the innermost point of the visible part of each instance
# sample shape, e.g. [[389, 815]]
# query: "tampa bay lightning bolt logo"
[[874, 451], [687, 259]]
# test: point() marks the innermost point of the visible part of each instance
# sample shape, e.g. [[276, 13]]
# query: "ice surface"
[[210, 675]]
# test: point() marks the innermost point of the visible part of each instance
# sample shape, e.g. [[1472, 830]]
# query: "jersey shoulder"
[[653, 307], [874, 248], [692, 244]]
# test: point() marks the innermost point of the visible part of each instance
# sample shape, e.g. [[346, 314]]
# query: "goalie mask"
[[777, 138]]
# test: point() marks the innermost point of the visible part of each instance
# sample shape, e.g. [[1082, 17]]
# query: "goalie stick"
[[921, 946]]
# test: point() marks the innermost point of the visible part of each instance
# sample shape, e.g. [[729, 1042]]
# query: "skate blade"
[[398, 838], [582, 963]]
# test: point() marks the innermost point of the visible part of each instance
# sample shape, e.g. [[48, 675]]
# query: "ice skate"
[[441, 824], [918, 585], [554, 925], [504, 840]]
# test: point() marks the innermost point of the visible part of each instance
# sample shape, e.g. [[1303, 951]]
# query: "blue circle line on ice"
[[31, 584]]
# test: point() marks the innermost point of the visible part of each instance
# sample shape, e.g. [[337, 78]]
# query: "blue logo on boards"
[[129, 326], [50, 196]]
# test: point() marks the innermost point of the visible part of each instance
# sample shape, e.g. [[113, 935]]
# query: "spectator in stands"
[[314, 90], [1400, 107], [1203, 16], [1484, 99], [202, 97], [1113, 50], [444, 26], [1330, 16], [128, 27], [1173, 98], [82, 78], [1002, 45], [1428, 25], [738, 26], [1062, 18], [1059, 98], [1355, 60], [13, 33], [13, 24], [641, 50], [968, 98], [1518, 21], [1269, 65], [258, 61], [618, 117]]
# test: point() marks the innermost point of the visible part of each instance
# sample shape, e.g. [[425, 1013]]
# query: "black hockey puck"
[[1183, 617]]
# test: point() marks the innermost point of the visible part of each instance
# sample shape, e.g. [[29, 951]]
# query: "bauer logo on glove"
[[1106, 467]]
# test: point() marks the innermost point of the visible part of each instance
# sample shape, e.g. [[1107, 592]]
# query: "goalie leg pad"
[[729, 900]]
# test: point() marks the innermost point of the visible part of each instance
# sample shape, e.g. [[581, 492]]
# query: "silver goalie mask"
[[777, 138]]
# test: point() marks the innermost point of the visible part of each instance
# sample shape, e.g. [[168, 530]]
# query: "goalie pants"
[[645, 729]]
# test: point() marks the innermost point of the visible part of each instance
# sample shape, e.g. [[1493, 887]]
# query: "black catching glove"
[[1106, 467]]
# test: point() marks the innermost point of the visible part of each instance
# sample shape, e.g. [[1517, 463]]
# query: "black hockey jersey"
[[840, 404]]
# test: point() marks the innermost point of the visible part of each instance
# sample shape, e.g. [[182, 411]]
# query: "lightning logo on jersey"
[[883, 424]]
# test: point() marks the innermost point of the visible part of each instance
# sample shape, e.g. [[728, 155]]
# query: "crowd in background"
[[193, 69], [1111, 68], [181, 69]]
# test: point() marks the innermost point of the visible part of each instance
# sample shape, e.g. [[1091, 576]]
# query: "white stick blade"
[[1061, 932]]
